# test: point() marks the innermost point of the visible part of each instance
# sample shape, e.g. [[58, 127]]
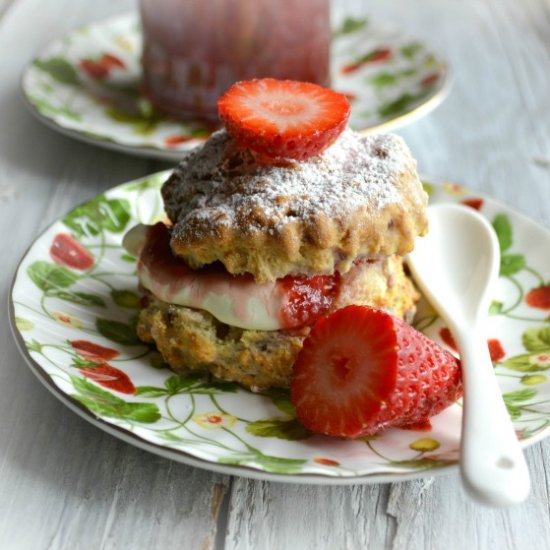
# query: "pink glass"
[[195, 49]]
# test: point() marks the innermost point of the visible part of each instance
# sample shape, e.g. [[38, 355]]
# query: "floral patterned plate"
[[86, 85], [73, 309]]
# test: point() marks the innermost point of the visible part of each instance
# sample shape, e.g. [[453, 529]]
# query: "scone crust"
[[360, 198], [193, 340]]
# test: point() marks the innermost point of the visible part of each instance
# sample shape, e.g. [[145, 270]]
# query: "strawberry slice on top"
[[283, 118], [362, 370]]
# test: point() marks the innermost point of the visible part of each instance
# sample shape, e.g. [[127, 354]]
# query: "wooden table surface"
[[66, 484]]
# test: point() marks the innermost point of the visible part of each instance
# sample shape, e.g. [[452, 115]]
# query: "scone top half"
[[359, 198]]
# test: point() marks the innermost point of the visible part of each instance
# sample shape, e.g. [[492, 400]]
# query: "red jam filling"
[[307, 298], [159, 259]]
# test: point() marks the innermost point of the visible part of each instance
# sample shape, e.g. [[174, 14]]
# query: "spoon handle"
[[493, 466]]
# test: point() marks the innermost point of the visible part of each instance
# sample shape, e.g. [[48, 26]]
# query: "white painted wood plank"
[[441, 515], [432, 513], [65, 484]]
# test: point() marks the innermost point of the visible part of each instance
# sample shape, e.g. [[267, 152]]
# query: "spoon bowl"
[[456, 265]]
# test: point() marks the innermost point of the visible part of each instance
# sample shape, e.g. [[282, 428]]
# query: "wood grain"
[[65, 484]]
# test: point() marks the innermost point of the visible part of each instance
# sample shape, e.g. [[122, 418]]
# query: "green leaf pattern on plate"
[[59, 69], [48, 276], [79, 326], [100, 213], [104, 403]]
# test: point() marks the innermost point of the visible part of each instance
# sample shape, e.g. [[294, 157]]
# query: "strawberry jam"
[[288, 303], [308, 298], [157, 256]]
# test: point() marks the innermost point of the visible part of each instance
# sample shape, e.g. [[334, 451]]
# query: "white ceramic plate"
[[74, 300], [86, 85]]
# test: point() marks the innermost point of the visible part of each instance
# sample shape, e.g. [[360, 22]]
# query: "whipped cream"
[[235, 300]]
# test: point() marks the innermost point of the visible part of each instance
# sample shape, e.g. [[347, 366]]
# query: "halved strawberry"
[[283, 118], [362, 370]]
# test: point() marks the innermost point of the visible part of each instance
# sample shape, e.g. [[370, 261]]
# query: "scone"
[[359, 198], [261, 246]]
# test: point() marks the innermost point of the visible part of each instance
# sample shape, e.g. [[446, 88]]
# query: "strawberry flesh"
[[307, 298], [362, 370], [283, 118]]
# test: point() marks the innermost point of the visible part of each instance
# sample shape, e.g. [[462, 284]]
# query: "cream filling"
[[234, 300]]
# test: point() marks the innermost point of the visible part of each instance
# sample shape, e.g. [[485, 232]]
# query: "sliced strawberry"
[[362, 370], [539, 297], [65, 250], [283, 118], [110, 377]]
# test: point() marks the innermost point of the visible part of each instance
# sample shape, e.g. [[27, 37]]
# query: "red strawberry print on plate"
[[110, 61], [539, 297], [109, 377], [94, 352], [100, 68], [94, 69], [67, 251], [447, 337], [326, 461], [376, 56], [474, 203], [430, 79], [496, 351]]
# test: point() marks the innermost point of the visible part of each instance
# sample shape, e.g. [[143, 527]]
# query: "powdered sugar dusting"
[[220, 185]]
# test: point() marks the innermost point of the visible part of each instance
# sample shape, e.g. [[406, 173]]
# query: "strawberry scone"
[[277, 220]]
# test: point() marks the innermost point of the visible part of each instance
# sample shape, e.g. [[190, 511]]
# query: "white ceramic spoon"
[[455, 265]]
